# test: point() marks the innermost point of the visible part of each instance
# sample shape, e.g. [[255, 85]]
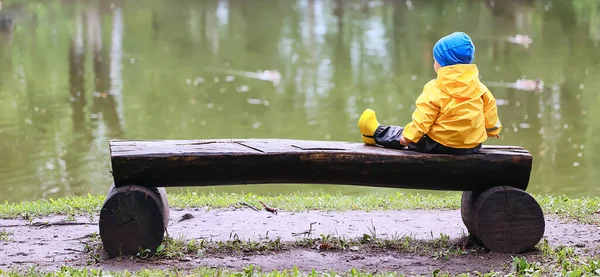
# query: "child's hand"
[[403, 141], [495, 136]]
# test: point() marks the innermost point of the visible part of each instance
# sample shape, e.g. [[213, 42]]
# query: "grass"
[[437, 248], [324, 202], [5, 235], [71, 206], [178, 248], [581, 209], [249, 271], [558, 261], [546, 261]]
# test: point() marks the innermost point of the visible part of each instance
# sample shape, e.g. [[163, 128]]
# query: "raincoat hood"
[[459, 81]]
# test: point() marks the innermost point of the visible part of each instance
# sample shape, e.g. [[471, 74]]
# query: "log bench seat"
[[495, 207]]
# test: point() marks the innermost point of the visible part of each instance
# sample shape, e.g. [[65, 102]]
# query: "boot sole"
[[362, 122]]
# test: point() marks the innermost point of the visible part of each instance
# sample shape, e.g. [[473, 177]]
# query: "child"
[[455, 112]]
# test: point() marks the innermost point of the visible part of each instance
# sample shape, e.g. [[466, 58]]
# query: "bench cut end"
[[133, 218]]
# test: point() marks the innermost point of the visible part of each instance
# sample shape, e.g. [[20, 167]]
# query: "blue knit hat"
[[456, 48]]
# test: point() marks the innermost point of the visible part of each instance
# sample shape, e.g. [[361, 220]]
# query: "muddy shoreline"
[[52, 242]]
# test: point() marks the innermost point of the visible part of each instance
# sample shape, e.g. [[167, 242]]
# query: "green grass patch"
[[441, 247], [5, 235], [582, 209], [559, 261], [249, 271], [546, 261], [585, 209], [71, 206], [323, 202]]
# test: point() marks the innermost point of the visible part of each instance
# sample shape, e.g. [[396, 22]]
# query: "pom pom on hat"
[[456, 48]]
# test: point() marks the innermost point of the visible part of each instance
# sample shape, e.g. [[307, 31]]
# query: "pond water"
[[75, 74]]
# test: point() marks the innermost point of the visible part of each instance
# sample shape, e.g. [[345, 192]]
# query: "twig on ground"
[[185, 217], [86, 236], [307, 233], [248, 205], [58, 223], [269, 209]]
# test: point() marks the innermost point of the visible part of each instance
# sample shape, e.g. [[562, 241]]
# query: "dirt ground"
[[52, 242]]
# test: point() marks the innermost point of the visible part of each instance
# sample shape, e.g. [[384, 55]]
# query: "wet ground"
[[53, 241]]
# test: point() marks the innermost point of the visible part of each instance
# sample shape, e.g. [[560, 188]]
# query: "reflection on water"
[[75, 75]]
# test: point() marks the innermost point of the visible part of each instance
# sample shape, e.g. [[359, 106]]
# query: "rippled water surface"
[[75, 74]]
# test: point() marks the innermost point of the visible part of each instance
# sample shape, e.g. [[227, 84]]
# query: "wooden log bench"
[[495, 207]]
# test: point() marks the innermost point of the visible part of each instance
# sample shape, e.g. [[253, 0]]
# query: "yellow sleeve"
[[492, 122], [423, 117]]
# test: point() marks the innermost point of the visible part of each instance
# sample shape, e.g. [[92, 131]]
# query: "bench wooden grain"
[[495, 207]]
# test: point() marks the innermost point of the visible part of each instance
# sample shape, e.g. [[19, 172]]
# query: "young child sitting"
[[455, 112]]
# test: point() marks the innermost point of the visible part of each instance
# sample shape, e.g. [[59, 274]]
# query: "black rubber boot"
[[389, 136]]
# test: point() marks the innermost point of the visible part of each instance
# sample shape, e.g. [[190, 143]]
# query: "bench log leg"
[[133, 218], [505, 219]]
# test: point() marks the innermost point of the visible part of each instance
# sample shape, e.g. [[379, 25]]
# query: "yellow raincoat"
[[455, 109]]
